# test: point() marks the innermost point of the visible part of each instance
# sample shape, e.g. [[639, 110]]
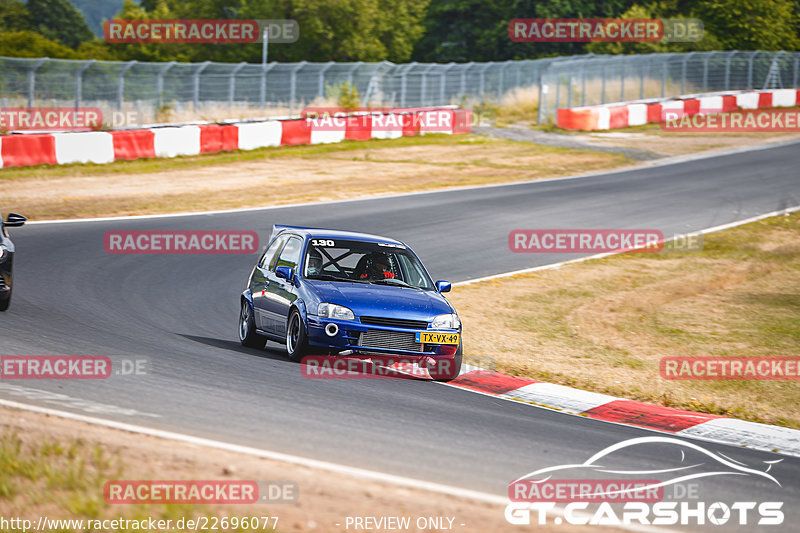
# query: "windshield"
[[364, 262]]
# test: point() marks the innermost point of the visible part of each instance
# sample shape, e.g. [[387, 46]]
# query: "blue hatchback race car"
[[340, 293]]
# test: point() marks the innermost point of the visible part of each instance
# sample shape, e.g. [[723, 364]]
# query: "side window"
[[272, 251], [290, 255]]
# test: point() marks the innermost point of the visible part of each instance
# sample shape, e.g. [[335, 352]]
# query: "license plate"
[[437, 337]]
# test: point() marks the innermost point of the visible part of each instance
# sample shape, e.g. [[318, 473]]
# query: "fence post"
[[796, 65], [293, 85], [542, 96], [79, 81], [464, 69], [232, 82], [482, 89], [603, 84], [750, 70], [622, 79], [423, 84], [683, 71], [664, 76], [709, 55], [321, 79], [445, 68], [196, 92], [121, 83], [728, 60], [32, 79], [641, 84], [160, 83], [403, 82]]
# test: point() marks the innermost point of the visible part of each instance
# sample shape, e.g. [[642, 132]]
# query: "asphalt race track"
[[179, 313]]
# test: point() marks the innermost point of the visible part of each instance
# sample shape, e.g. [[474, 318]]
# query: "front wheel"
[[5, 301], [296, 338], [247, 329], [447, 368]]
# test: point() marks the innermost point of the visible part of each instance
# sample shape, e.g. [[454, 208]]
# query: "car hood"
[[384, 300]]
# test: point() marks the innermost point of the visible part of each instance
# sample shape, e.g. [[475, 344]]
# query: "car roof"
[[322, 233]]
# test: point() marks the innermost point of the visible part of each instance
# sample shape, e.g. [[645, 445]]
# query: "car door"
[[281, 293], [259, 281]]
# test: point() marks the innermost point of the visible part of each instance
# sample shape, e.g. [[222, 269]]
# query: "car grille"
[[394, 322], [390, 340]]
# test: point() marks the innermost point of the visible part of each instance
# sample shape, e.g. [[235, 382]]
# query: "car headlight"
[[447, 321], [327, 310], [3, 253]]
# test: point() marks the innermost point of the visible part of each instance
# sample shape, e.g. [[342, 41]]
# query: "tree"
[[31, 44], [14, 16], [751, 25], [58, 20]]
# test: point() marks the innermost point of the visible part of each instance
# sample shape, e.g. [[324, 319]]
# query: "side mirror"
[[443, 286], [284, 272], [14, 220]]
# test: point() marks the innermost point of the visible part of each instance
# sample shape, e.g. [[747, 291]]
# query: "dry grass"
[[604, 325], [301, 174]]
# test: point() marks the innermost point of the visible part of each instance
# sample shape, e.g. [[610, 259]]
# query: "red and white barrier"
[[621, 115], [175, 140]]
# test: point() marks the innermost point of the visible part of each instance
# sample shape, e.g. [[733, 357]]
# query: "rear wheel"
[[296, 338], [247, 329], [446, 368]]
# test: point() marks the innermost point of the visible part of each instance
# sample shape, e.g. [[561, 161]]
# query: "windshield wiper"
[[329, 277], [392, 281]]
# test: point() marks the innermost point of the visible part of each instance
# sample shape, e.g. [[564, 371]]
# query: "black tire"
[[446, 369], [247, 329], [296, 338], [5, 301]]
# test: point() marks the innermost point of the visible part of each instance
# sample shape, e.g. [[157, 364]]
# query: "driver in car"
[[314, 267], [377, 267]]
